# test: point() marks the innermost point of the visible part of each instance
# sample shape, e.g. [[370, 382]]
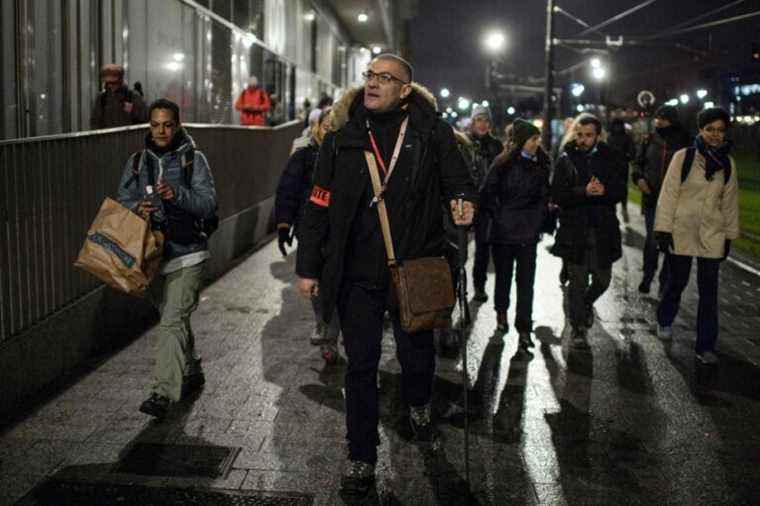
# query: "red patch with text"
[[320, 196]]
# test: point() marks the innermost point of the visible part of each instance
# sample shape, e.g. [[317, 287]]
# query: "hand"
[[594, 188], [165, 190], [464, 216], [128, 106], [307, 287], [283, 238], [726, 249], [664, 242], [144, 208], [644, 186]]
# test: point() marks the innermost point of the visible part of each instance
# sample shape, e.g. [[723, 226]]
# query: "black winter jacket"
[[579, 212], [653, 159], [483, 152], [431, 170], [516, 197], [295, 184]]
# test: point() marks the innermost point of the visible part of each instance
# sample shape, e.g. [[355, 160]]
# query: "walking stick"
[[464, 323]]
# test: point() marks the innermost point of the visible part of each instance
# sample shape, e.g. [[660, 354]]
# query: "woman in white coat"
[[698, 216]]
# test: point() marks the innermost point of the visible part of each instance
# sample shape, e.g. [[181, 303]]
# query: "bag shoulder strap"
[[188, 157], [688, 161], [382, 211]]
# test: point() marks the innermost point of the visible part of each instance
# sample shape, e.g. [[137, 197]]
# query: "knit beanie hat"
[[667, 112], [707, 116], [522, 131], [480, 110]]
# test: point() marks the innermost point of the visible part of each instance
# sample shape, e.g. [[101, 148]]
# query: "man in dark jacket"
[[485, 148], [650, 167], [621, 141], [171, 168], [341, 251], [116, 105], [589, 180]]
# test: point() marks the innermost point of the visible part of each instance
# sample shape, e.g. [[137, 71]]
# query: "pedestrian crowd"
[[378, 190]]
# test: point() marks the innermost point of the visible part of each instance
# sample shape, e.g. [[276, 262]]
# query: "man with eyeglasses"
[[170, 183], [341, 251]]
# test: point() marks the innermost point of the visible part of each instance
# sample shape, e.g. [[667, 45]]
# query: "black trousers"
[[361, 313], [505, 257], [482, 251], [581, 294], [707, 286], [651, 252]]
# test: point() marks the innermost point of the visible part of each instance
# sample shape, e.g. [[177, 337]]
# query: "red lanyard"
[[387, 171]]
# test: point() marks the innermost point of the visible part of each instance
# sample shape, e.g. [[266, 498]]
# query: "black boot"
[[420, 420], [357, 485], [155, 405]]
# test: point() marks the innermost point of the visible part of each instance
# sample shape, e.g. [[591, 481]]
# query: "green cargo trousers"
[[175, 344]]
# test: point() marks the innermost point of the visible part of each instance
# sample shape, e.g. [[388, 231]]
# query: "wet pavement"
[[632, 421]]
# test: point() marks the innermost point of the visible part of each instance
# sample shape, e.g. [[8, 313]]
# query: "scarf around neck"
[[716, 159]]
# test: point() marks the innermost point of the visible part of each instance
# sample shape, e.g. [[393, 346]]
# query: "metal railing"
[[51, 187]]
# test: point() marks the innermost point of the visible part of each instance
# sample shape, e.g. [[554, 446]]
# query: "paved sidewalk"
[[634, 421]]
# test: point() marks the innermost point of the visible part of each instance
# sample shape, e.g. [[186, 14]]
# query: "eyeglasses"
[[382, 77]]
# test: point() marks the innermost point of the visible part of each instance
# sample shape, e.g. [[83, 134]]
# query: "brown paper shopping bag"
[[121, 249]]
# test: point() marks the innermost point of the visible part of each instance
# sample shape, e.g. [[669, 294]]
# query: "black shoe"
[[580, 340], [501, 322], [589, 316], [480, 295], [192, 383], [357, 485], [644, 287], [420, 420], [155, 405], [525, 341]]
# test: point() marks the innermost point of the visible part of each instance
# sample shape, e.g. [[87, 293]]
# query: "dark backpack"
[[205, 227], [688, 160]]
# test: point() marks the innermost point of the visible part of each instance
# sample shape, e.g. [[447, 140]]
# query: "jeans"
[[175, 344], [482, 251], [651, 251], [505, 258], [580, 293], [707, 309], [361, 313]]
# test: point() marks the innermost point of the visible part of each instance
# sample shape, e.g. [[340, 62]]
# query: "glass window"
[[45, 68], [8, 96]]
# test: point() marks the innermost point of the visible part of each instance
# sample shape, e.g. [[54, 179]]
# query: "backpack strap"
[[136, 157], [688, 161], [188, 157]]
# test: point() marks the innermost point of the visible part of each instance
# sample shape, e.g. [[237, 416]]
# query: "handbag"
[[423, 286], [121, 249]]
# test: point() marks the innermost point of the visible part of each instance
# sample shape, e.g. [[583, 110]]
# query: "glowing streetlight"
[[362, 17], [511, 110], [463, 104], [376, 49], [445, 93], [580, 108], [596, 63], [577, 89], [701, 94], [495, 41], [309, 16], [684, 99], [485, 103], [672, 102], [709, 105], [599, 73]]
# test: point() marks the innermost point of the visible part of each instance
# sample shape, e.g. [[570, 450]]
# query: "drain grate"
[[66, 493], [178, 460]]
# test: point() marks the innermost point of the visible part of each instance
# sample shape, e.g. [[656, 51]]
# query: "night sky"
[[447, 49]]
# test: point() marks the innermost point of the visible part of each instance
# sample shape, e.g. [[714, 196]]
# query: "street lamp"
[[485, 103], [596, 63], [577, 89], [463, 104], [598, 73], [684, 99], [511, 110], [702, 93], [362, 17], [495, 41], [376, 50], [445, 93]]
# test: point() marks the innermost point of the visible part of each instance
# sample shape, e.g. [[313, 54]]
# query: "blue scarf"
[[715, 158]]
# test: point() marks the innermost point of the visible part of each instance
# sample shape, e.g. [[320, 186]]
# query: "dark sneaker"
[[480, 295], [155, 405], [357, 485], [589, 316], [192, 382], [580, 340], [501, 322], [644, 287], [707, 358], [420, 420], [525, 341]]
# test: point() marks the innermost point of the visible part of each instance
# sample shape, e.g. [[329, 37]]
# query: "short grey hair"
[[405, 65]]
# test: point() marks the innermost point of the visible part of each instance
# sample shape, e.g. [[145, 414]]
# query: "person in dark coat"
[[117, 105], [516, 198], [649, 168], [341, 252], [485, 148], [621, 141], [589, 180], [292, 194]]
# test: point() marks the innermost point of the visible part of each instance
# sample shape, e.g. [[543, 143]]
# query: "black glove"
[[283, 238], [664, 241], [726, 249]]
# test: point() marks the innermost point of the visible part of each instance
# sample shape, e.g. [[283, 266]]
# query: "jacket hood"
[[345, 108], [181, 142]]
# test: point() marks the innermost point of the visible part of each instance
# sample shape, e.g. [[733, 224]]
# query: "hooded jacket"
[[191, 203], [700, 214], [295, 184], [122, 107], [482, 154], [257, 100], [653, 158], [515, 196], [579, 212], [430, 171]]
